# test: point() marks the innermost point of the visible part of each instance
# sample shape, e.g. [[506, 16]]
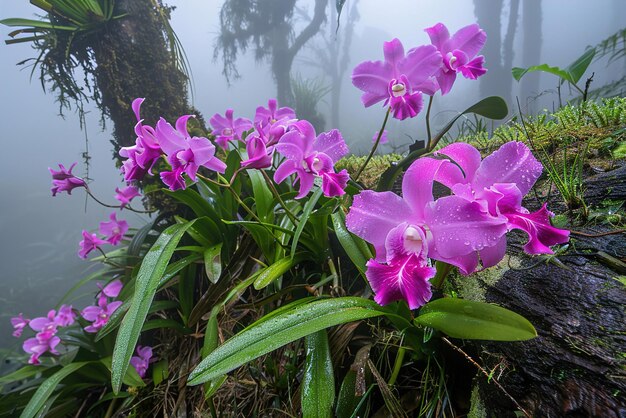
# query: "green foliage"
[[318, 382], [307, 95]]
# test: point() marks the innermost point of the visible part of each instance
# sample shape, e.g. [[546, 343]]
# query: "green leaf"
[[475, 320], [518, 72], [267, 335], [262, 196], [306, 212], [358, 253], [46, 388], [318, 382], [578, 67], [213, 263], [21, 374], [35, 24], [131, 378], [160, 372], [148, 279], [347, 401], [492, 107], [277, 269], [197, 204]]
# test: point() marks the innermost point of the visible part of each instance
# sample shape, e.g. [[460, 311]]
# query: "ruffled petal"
[[407, 106], [373, 214], [465, 156], [405, 278], [469, 39], [372, 77], [334, 184], [511, 163], [541, 234], [474, 69]]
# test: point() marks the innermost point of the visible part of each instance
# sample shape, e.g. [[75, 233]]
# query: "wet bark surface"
[[577, 365]]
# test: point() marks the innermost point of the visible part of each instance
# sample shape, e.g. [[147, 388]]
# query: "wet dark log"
[[577, 365]]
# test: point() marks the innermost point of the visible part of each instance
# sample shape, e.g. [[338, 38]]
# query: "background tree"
[[268, 26]]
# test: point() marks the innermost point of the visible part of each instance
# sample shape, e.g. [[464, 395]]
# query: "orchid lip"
[[398, 89]]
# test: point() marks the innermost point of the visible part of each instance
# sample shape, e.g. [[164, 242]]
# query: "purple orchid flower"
[[309, 156], [267, 116], [399, 80], [498, 183], [111, 290], [400, 228], [45, 340], [184, 153], [228, 129], [19, 323], [258, 154], [125, 195], [66, 316], [64, 181], [458, 53], [142, 360], [89, 243], [113, 230], [145, 153], [383, 137], [99, 315]]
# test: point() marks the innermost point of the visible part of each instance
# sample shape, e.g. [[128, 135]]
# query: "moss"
[[477, 408], [375, 168], [474, 287]]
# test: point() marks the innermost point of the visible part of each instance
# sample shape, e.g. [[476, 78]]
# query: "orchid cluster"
[[401, 78], [112, 233], [465, 229], [46, 327]]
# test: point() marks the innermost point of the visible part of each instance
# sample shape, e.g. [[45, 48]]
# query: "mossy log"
[[576, 367]]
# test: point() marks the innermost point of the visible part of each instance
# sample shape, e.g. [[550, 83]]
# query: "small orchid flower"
[[65, 317], [309, 157], [19, 323], [400, 80], [258, 155], [37, 346], [142, 360], [113, 230], [99, 315], [400, 229], [226, 129], [145, 153], [498, 183], [89, 243], [64, 181], [111, 290], [458, 53], [267, 116], [383, 137], [125, 195], [185, 154]]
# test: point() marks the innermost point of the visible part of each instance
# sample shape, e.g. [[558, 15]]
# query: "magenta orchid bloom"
[[45, 340], [89, 243], [458, 53], [19, 323], [66, 316], [111, 290], [142, 156], [309, 157], [498, 183], [185, 154], [113, 230], [225, 128], [267, 116], [64, 181], [142, 360], [383, 137], [99, 315], [259, 156], [400, 80], [125, 195]]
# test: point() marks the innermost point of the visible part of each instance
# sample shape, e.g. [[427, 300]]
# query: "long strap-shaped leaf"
[[318, 382], [152, 268], [47, 387], [267, 335]]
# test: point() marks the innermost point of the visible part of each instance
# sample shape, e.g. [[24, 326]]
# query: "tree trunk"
[[531, 52], [133, 60], [577, 365]]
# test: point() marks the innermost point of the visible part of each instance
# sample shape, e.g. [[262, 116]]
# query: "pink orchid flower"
[[125, 195], [142, 360], [64, 181], [99, 315], [309, 157], [45, 340], [141, 157], [66, 316], [19, 323], [89, 243], [267, 116], [498, 183], [113, 230], [458, 53], [259, 156], [400, 80], [184, 153], [226, 129], [111, 290], [399, 228]]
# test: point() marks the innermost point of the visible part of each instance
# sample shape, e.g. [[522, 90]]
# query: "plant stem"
[[369, 157], [430, 103], [397, 366], [115, 206], [270, 183]]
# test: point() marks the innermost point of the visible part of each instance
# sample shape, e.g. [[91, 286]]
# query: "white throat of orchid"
[[413, 240], [398, 89], [227, 132]]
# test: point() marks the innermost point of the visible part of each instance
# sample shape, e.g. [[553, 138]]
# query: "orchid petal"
[[332, 144], [136, 105], [541, 234], [417, 184], [333, 184], [474, 69], [465, 156], [490, 256], [469, 39], [372, 77], [446, 81], [420, 64], [438, 35]]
